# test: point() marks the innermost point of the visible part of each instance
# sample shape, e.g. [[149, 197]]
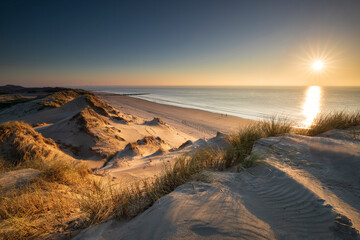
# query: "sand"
[[130, 166], [10, 180], [110, 139], [89, 129], [303, 188], [327, 165], [196, 123]]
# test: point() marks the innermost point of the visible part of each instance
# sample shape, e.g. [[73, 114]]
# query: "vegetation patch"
[[7, 101], [19, 142], [65, 196], [48, 204], [335, 120], [100, 106], [241, 143], [60, 98]]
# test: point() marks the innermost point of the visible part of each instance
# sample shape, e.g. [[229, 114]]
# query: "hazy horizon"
[[175, 86], [167, 43]]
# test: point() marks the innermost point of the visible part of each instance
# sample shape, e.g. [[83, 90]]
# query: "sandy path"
[[196, 123]]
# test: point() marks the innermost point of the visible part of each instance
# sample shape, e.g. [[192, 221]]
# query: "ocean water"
[[301, 104]]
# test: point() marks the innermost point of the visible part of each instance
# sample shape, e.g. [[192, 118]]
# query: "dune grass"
[[334, 120], [21, 142], [60, 98], [47, 203], [241, 143], [103, 201], [65, 190], [5, 166], [12, 102]]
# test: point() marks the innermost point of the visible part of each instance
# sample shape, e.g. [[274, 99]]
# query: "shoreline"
[[195, 122]]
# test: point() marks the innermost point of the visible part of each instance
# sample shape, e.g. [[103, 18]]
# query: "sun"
[[318, 65]]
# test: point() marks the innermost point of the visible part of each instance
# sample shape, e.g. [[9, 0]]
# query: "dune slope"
[[304, 188]]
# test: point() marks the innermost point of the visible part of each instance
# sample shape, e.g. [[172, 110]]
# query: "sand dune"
[[144, 147], [20, 142], [60, 98], [41, 108], [88, 131], [329, 167], [88, 128], [132, 164], [304, 188], [263, 203]]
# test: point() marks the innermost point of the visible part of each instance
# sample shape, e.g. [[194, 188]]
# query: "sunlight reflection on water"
[[312, 105]]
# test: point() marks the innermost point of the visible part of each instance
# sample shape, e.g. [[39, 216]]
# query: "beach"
[[169, 120], [197, 123], [143, 170]]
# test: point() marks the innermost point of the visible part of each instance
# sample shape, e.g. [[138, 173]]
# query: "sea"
[[300, 104]]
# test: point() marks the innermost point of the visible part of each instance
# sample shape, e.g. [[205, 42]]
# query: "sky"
[[179, 43]]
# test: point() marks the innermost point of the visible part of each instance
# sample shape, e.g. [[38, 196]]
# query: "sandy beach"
[[196, 123], [300, 187], [169, 120]]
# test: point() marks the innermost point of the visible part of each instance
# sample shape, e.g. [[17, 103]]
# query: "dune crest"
[[58, 99]]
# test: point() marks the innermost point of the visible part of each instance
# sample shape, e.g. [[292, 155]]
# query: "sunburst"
[[318, 60]]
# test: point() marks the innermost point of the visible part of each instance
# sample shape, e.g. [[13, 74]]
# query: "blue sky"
[[66, 43]]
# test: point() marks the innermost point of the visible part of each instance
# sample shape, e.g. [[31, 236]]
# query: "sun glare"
[[318, 62], [311, 106], [318, 65]]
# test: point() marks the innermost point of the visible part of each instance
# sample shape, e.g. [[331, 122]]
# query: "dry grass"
[[20, 142], [45, 206], [241, 143], [100, 106], [60, 98], [34, 211], [103, 201], [5, 166], [65, 190], [335, 120], [7, 101]]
